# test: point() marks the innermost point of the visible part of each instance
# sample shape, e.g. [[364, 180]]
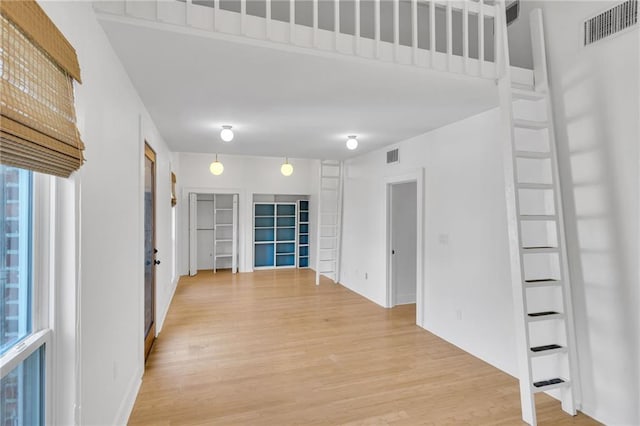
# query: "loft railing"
[[452, 36]]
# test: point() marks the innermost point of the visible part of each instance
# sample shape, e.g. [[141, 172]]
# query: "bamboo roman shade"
[[37, 113]]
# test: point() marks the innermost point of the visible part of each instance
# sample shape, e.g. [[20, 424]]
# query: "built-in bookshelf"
[[303, 234], [274, 235]]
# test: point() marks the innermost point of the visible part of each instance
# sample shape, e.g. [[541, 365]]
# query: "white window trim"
[[42, 335]]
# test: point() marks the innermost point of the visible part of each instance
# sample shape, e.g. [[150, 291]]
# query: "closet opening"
[[213, 232], [405, 242]]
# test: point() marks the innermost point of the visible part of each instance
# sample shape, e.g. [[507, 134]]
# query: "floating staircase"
[[329, 220], [541, 289]]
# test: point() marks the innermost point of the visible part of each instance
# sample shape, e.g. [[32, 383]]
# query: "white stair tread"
[[533, 154], [527, 94], [532, 185], [538, 217], [536, 250], [530, 124]]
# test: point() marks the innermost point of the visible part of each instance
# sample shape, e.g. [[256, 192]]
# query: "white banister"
[[414, 30], [396, 28], [432, 32], [481, 37], [449, 35]]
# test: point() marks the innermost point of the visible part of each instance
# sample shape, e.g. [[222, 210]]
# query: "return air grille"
[[616, 19], [392, 156]]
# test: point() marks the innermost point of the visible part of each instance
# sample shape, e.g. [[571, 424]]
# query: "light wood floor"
[[271, 348]]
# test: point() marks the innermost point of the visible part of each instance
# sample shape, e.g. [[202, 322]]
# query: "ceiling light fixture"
[[226, 134], [352, 142], [216, 168], [286, 169]]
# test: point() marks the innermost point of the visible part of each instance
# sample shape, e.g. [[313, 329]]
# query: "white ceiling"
[[284, 103]]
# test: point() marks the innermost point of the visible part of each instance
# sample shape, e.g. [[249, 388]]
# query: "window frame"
[[42, 273]]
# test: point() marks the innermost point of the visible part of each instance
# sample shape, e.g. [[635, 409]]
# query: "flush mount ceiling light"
[[226, 134], [352, 142], [216, 168], [286, 169]]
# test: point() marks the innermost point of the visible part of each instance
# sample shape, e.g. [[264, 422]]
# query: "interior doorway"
[[404, 242], [150, 251]]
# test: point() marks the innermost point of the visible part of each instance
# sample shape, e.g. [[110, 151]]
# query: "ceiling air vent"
[[616, 19], [392, 156]]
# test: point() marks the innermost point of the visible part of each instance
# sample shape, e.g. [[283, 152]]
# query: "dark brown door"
[[150, 251]]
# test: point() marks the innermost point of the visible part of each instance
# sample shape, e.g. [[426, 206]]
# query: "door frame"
[[417, 176], [149, 339]]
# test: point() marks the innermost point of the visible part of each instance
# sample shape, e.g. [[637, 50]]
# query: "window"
[[23, 329]]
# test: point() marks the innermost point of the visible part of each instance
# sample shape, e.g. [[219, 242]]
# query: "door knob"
[[155, 250], [156, 262]]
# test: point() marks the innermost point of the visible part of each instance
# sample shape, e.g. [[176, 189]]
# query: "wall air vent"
[[512, 10], [392, 156], [611, 21]]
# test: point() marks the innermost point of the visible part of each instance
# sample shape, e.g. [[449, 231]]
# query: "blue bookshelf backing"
[[304, 239], [286, 234], [286, 221], [285, 248], [304, 228], [285, 260], [261, 222], [304, 251], [286, 210], [304, 216], [264, 209], [264, 234], [263, 255], [304, 205]]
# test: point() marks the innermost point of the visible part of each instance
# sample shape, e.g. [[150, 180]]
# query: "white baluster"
[[449, 35], [376, 18], [465, 36], [481, 36], [336, 22], [315, 22], [292, 21], [216, 7], [243, 15], [396, 28], [356, 48], [414, 30], [268, 19], [432, 32]]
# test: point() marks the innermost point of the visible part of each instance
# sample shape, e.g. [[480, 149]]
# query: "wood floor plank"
[[272, 348]]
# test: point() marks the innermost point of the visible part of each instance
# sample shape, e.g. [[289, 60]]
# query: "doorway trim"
[[149, 339], [417, 176]]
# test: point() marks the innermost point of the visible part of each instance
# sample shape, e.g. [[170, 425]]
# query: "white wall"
[[245, 176], [467, 297], [596, 98], [105, 370]]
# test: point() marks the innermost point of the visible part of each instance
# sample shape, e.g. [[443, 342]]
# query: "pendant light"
[[226, 134], [216, 168], [352, 142], [286, 169]]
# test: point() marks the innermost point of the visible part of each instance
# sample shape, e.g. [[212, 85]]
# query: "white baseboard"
[[160, 321], [405, 299], [126, 406]]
